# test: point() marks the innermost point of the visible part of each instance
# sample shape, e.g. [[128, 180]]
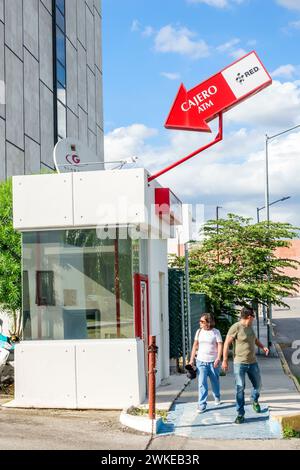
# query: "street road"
[[101, 430]]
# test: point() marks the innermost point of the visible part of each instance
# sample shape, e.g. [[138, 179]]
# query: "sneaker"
[[239, 419], [256, 406], [217, 402], [201, 409]]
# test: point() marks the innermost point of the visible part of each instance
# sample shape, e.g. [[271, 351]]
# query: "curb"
[[143, 423], [288, 421]]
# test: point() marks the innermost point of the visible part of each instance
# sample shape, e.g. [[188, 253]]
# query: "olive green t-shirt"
[[244, 343]]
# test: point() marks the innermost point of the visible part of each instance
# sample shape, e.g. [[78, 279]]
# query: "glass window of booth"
[[77, 286]]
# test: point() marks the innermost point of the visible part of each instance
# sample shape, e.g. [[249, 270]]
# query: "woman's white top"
[[208, 344]]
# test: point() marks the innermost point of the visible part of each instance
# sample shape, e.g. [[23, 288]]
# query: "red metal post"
[[217, 139], [152, 351]]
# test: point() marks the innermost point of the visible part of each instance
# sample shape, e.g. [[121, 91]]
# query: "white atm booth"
[[95, 287]]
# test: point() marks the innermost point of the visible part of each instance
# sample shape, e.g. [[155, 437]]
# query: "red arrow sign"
[[193, 109]]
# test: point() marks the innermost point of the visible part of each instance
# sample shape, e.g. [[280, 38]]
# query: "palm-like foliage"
[[236, 263], [10, 259]]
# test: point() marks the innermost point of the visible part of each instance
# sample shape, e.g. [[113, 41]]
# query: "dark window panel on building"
[[60, 46], [61, 120], [60, 4], [61, 74], [60, 71], [60, 20]]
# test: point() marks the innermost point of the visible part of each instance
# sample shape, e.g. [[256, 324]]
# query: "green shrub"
[[290, 433]]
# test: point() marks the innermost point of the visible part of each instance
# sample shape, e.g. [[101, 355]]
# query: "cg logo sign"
[[73, 159], [72, 155]]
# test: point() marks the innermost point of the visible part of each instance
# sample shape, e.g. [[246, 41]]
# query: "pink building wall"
[[293, 252]]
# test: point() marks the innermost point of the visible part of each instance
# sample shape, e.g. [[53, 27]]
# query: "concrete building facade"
[[51, 65]]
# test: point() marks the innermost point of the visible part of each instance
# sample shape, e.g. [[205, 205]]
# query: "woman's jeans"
[[205, 370], [240, 371]]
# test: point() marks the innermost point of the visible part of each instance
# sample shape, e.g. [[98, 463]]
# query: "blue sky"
[[151, 46]]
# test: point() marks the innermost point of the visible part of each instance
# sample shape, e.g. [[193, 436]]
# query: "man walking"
[[244, 339]]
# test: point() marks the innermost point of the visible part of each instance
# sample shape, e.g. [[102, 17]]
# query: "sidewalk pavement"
[[280, 402]]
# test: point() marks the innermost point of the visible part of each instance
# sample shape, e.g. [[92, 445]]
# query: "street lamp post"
[[267, 207], [217, 215], [271, 204], [258, 209]]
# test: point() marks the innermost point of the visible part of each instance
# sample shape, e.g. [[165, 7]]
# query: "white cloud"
[[285, 71], [227, 46], [252, 42], [291, 4], [238, 53], [217, 3], [212, 3], [125, 142], [276, 107], [294, 24], [232, 173], [135, 26], [148, 31], [181, 41], [170, 75]]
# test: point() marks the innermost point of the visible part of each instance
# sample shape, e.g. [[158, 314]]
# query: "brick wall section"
[[294, 253]]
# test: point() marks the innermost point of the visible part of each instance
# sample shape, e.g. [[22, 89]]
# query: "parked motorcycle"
[[7, 345]]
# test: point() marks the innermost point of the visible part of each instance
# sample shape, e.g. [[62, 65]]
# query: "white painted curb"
[[140, 423]]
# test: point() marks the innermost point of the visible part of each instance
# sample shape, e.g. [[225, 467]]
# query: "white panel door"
[[45, 374], [107, 374], [109, 197], [42, 201]]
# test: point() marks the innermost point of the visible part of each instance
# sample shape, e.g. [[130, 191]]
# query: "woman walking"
[[207, 349]]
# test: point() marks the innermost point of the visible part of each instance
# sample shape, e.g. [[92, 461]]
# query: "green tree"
[[10, 260], [236, 263]]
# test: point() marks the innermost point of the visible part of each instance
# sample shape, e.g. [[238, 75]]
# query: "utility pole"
[[217, 216], [258, 209], [267, 206]]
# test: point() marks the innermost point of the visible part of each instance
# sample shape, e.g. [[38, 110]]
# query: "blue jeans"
[[205, 370], [240, 371]]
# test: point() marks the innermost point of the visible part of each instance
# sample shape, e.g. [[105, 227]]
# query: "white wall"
[[112, 371], [158, 263], [99, 374], [86, 199]]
